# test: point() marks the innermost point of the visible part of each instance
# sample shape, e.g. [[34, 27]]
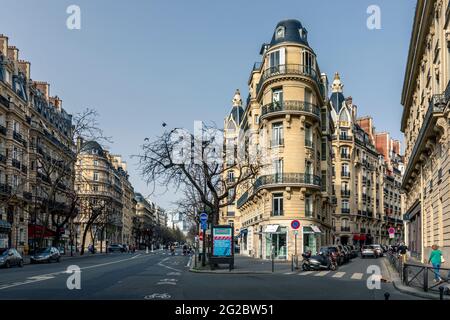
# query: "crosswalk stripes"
[[338, 274], [322, 273]]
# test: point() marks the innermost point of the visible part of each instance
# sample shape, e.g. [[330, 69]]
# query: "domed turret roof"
[[290, 30], [337, 97]]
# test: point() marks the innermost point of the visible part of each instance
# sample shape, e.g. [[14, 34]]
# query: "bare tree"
[[184, 161]]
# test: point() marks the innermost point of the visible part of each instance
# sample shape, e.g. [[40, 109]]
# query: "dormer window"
[[279, 33], [303, 33]]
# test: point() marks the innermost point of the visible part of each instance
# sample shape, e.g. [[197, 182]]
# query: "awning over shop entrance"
[[39, 231], [316, 229], [362, 237], [271, 228], [356, 237]]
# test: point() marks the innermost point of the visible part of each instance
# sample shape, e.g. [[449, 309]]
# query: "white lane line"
[[305, 273], [338, 274], [357, 276], [135, 256], [322, 273], [49, 276], [289, 273], [164, 266]]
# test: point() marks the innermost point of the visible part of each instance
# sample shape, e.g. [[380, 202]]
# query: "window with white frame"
[[277, 204]]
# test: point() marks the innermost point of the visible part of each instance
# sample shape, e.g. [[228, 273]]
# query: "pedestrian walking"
[[436, 260], [402, 250]]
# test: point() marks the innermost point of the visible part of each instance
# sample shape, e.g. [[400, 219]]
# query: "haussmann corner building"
[[425, 124], [288, 114]]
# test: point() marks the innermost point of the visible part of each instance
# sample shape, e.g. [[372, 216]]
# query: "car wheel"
[[58, 259], [21, 263], [49, 260], [7, 265]]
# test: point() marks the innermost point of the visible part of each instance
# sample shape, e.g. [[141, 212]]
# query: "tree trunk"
[[83, 241]]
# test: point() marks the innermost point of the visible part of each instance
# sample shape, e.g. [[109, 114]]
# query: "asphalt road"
[[158, 276]]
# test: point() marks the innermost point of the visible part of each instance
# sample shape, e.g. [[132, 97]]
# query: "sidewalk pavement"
[[392, 275], [245, 265]]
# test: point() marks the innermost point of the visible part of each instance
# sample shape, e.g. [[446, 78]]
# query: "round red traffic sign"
[[391, 230], [295, 224]]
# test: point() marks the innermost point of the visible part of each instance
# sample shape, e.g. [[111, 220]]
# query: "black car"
[[344, 252], [334, 249], [48, 254], [116, 248], [354, 252], [10, 257]]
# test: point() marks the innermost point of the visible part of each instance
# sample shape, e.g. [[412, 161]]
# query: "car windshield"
[[4, 253], [42, 251]]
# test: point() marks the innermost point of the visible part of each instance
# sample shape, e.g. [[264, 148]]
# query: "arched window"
[[344, 116]]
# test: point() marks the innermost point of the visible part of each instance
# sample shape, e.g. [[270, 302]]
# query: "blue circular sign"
[[295, 224], [204, 216]]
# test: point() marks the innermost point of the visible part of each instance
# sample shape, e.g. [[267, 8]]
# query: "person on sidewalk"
[[436, 259], [402, 250]]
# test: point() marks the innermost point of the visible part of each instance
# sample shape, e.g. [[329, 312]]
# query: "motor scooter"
[[318, 262]]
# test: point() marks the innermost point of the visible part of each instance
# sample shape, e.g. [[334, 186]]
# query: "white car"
[[368, 251], [378, 249]]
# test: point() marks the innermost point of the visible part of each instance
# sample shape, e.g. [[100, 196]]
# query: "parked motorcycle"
[[318, 262]]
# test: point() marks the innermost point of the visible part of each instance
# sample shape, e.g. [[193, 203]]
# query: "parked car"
[[116, 248], [350, 251], [10, 257], [340, 254], [345, 253], [368, 251], [354, 251], [378, 250], [48, 254]]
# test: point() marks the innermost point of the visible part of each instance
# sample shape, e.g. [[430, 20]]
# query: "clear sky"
[[144, 62]]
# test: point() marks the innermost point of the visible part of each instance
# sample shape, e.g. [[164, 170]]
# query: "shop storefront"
[[5, 231], [311, 238], [276, 242], [39, 236]]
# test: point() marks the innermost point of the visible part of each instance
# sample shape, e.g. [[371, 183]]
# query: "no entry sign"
[[295, 224], [391, 230]]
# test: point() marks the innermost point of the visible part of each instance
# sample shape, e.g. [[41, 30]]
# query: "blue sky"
[[144, 62]]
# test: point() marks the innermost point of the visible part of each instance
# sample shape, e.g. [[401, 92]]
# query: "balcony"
[[276, 143], [309, 143], [427, 131], [344, 137], [288, 69], [300, 179], [345, 229], [345, 210], [276, 213], [5, 189], [345, 156], [15, 163], [345, 193], [4, 101], [345, 174], [290, 106]]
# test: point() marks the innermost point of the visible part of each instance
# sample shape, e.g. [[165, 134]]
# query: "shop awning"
[[362, 237], [356, 237], [39, 231], [271, 228], [243, 232], [5, 224], [316, 229]]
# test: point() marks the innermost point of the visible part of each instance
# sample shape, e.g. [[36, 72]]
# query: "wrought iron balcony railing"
[[290, 105], [289, 69]]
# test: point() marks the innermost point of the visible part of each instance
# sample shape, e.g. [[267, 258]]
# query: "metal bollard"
[[441, 293], [292, 263], [386, 296]]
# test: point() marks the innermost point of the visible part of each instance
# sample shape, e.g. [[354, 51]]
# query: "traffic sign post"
[[204, 223], [295, 224], [391, 232]]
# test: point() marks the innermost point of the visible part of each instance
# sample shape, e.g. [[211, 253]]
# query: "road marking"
[[135, 256], [52, 275], [289, 272], [164, 266], [357, 276], [174, 274], [305, 273], [338, 275], [158, 296], [322, 273]]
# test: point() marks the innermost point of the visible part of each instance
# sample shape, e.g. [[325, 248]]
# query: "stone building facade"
[[425, 124]]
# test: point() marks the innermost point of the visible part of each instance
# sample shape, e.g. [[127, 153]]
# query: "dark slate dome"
[[92, 147], [293, 32], [336, 99]]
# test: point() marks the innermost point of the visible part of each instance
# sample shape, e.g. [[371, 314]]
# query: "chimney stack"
[[13, 53], [4, 44], [44, 87], [24, 67]]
